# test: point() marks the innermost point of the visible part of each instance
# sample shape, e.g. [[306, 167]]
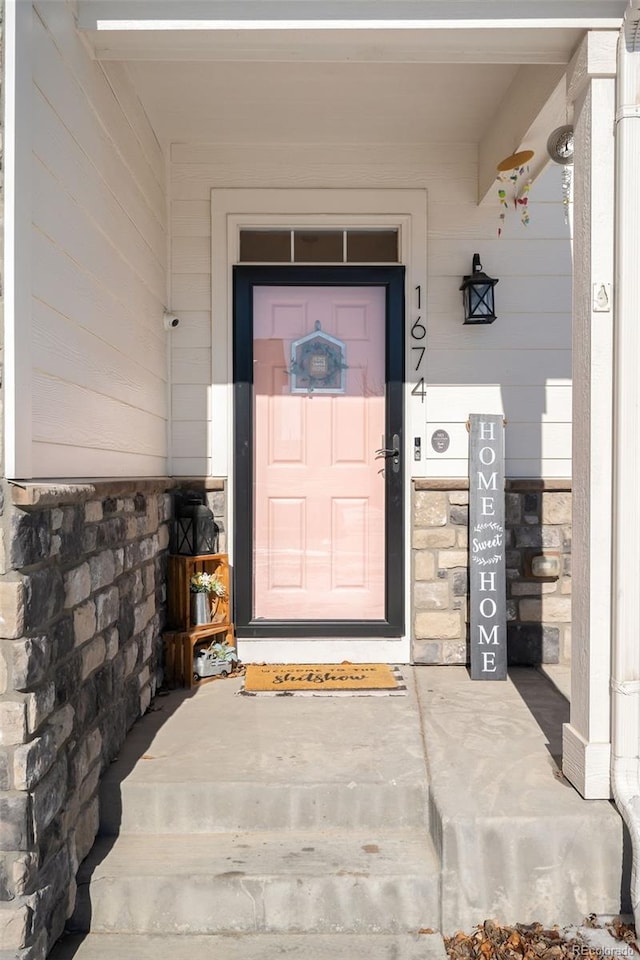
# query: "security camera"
[[170, 320]]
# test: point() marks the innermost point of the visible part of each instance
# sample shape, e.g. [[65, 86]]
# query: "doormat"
[[323, 679]]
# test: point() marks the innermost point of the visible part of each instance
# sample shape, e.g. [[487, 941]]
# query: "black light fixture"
[[477, 293], [195, 532]]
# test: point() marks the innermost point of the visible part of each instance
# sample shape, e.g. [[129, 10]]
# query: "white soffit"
[[328, 46], [339, 103], [476, 31], [402, 14]]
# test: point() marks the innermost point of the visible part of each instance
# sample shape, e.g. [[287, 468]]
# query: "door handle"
[[384, 452], [392, 453]]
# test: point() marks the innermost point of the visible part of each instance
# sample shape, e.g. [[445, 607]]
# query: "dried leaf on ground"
[[532, 941]]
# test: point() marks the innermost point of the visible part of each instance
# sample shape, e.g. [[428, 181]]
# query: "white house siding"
[[99, 364], [520, 365]]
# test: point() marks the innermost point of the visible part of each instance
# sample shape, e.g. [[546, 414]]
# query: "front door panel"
[[318, 494], [318, 373]]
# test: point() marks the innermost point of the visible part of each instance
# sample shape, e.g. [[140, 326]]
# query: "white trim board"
[[322, 14], [320, 650], [18, 424], [233, 209]]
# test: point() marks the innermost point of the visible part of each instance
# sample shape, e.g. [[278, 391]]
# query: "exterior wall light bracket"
[[477, 294]]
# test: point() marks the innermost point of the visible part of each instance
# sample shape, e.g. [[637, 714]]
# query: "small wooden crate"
[[181, 639], [180, 646], [180, 571]]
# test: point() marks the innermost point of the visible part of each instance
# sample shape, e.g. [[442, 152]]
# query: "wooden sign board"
[[487, 569]]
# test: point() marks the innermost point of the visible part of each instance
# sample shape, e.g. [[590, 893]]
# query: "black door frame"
[[245, 278]]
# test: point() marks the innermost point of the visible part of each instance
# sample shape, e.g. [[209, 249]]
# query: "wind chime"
[[513, 186], [560, 147]]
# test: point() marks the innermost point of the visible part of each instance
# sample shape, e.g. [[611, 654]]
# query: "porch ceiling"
[[259, 102], [442, 81]]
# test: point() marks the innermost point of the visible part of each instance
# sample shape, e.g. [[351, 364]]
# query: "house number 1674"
[[418, 350]]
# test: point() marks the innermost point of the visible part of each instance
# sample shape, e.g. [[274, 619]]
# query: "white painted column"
[[587, 737], [18, 94], [625, 673]]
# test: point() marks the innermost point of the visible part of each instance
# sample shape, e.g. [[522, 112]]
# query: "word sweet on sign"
[[487, 593]]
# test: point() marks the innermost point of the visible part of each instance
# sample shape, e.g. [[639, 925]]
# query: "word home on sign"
[[487, 592]]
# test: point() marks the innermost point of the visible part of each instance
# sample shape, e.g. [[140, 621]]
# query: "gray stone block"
[[62, 638], [107, 608], [460, 582], [532, 643], [103, 569], [111, 533], [89, 539], [527, 537], [113, 730], [132, 702], [7, 891], [126, 619], [72, 533], [513, 559], [5, 770], [44, 597], [13, 721], [30, 540], [92, 656], [40, 704], [459, 515], [15, 928], [426, 651], [87, 705], [84, 622], [12, 607], [103, 682], [53, 883], [32, 760], [513, 509], [30, 660], [67, 680], [93, 511], [15, 822], [61, 724], [49, 795]]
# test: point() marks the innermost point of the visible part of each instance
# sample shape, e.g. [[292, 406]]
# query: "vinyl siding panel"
[[519, 366], [99, 237]]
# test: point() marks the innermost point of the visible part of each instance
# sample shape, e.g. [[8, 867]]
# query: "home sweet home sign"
[[487, 589]]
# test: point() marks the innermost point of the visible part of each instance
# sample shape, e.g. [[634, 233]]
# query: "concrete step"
[[251, 947], [213, 806], [331, 882], [214, 761], [516, 841]]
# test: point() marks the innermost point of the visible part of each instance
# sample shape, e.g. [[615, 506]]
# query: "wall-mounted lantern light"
[[477, 293]]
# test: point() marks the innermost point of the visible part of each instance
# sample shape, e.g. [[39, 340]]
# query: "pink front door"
[[318, 419]]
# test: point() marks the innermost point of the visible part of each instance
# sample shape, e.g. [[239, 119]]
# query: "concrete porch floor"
[[238, 826]]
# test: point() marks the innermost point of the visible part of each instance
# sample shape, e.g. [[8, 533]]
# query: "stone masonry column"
[[587, 737]]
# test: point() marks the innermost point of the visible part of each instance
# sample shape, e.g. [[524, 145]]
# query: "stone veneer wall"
[[538, 515], [82, 599]]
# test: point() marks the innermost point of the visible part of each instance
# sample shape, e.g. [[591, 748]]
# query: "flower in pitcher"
[[203, 582]]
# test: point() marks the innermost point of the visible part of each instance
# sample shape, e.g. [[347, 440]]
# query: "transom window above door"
[[319, 246]]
